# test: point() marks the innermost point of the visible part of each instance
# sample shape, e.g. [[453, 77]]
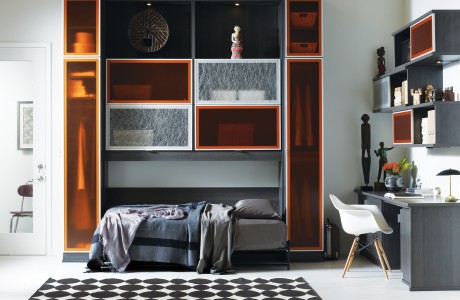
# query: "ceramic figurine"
[[449, 94], [416, 96], [428, 92], [237, 43]]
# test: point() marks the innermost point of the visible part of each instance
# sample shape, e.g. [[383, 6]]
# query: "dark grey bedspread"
[[159, 240]]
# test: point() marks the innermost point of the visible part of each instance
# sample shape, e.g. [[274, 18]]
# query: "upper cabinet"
[[304, 28], [81, 27], [424, 110], [430, 39]]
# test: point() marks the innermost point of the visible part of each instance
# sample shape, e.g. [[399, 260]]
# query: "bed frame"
[[227, 196]]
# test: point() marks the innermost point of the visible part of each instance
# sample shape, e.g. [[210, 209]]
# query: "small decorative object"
[[413, 175], [237, 43], [366, 149], [394, 181], [428, 92], [449, 94], [148, 31], [435, 95], [381, 61], [436, 193], [416, 95], [398, 96], [25, 125], [382, 153], [449, 172]]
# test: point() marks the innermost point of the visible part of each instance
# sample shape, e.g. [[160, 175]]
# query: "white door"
[[24, 96]]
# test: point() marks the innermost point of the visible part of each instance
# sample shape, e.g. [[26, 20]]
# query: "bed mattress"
[[260, 234]]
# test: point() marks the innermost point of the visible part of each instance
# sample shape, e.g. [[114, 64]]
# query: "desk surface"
[[410, 202]]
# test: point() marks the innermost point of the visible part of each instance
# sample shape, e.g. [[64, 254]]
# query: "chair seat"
[[22, 213]]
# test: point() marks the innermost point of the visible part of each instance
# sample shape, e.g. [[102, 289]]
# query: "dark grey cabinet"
[[424, 242]]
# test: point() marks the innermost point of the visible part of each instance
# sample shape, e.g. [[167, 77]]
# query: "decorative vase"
[[394, 182]]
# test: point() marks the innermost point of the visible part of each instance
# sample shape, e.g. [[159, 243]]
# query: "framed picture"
[[25, 125]]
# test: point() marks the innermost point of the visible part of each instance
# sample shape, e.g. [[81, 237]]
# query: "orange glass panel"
[[149, 81], [238, 127], [81, 153], [81, 35], [304, 27], [402, 127], [304, 154], [421, 37]]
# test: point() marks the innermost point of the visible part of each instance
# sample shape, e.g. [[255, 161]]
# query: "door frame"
[[43, 52]]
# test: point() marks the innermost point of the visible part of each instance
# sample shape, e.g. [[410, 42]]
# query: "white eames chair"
[[363, 219]]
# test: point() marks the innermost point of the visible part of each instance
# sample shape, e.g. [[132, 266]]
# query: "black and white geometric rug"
[[157, 288]]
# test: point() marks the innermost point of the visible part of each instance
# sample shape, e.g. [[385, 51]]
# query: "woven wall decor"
[[148, 31]]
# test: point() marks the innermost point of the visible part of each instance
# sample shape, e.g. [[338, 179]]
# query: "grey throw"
[[118, 229], [217, 230]]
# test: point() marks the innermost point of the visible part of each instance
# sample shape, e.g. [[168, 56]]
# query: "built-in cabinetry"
[[422, 48], [423, 244], [81, 119], [188, 99]]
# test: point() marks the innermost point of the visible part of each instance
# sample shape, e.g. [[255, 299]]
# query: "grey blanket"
[[158, 239], [217, 235], [118, 228]]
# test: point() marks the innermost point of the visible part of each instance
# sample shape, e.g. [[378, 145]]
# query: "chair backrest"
[[357, 219], [26, 190]]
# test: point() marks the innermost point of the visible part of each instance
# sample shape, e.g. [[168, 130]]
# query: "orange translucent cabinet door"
[[238, 127], [81, 153], [421, 37], [81, 35], [149, 81], [304, 148], [304, 27]]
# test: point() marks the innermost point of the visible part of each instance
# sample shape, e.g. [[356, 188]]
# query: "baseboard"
[[75, 257], [307, 256]]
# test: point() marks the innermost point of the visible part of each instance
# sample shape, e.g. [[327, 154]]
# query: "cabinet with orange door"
[[81, 123]]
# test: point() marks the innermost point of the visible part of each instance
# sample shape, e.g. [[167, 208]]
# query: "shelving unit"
[[422, 48], [81, 122]]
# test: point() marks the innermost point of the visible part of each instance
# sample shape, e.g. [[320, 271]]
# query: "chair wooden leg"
[[384, 255], [380, 257], [350, 256]]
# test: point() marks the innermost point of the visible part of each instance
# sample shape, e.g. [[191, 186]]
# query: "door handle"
[[41, 173]]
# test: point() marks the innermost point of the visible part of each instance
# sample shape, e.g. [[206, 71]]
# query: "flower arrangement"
[[396, 168]]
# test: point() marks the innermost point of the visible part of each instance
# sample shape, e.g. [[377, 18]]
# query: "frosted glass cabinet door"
[[149, 127], [248, 81]]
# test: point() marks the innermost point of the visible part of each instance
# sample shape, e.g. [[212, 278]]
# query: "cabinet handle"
[[399, 218]]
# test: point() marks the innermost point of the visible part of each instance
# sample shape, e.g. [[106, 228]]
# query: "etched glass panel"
[[249, 81], [149, 127]]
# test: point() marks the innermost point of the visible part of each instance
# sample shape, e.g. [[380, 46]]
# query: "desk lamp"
[[449, 172]]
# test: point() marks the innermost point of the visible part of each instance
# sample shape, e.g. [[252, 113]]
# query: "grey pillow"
[[255, 209]]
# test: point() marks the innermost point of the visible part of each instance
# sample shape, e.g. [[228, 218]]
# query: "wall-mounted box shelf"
[[238, 128], [149, 81], [408, 129], [303, 21], [81, 27], [149, 127], [429, 40], [248, 81]]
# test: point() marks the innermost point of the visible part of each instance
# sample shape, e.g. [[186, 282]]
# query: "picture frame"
[[25, 125]]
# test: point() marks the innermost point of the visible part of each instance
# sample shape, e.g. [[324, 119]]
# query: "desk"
[[425, 243]]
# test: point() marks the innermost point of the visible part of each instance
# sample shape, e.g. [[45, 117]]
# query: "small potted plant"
[[394, 181]]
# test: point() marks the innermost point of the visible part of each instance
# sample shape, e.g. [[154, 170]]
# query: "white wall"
[[432, 161], [353, 30], [31, 21]]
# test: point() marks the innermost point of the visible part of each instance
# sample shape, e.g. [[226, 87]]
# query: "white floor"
[[21, 276]]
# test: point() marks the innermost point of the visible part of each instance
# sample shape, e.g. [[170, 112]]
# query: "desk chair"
[[25, 190], [363, 219]]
